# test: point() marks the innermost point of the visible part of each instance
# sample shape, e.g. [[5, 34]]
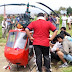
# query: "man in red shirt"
[[41, 39]]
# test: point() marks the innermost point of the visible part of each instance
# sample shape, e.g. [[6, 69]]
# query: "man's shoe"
[[63, 65]]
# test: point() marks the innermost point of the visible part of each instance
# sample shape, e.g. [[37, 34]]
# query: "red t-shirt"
[[41, 31]]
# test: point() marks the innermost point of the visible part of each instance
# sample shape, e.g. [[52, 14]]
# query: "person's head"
[[40, 14], [60, 38], [64, 14], [13, 16], [63, 28], [8, 16], [54, 16], [51, 14], [63, 33]]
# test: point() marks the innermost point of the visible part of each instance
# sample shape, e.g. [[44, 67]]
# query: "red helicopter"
[[17, 46]]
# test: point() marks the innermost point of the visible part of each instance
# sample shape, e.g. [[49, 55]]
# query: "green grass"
[[68, 69], [2, 40], [0, 32], [67, 30], [1, 18]]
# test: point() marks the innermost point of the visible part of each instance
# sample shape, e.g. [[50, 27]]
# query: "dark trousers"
[[39, 50], [54, 56]]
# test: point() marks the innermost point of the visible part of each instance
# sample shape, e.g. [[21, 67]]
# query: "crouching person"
[[41, 39], [57, 46], [66, 52]]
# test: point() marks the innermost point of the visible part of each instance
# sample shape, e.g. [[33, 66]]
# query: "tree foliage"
[[58, 11], [69, 10], [62, 8]]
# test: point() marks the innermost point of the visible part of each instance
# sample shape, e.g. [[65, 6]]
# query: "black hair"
[[60, 36], [8, 16], [40, 14], [13, 15], [54, 15], [64, 33], [51, 14], [55, 39], [63, 28]]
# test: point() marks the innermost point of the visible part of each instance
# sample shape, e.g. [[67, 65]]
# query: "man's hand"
[[31, 38], [29, 35], [50, 39], [53, 36], [57, 49]]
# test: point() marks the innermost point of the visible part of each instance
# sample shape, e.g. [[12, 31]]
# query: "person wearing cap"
[[41, 39], [4, 27]]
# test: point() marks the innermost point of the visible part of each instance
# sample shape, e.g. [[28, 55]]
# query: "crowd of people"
[[56, 20], [9, 23], [60, 45]]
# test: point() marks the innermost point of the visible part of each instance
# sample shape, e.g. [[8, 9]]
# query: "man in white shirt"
[[69, 21], [64, 19], [4, 27]]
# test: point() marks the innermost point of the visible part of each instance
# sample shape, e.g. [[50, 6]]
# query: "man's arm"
[[54, 35], [29, 35]]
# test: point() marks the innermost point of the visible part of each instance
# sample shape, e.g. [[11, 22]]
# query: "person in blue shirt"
[[8, 22], [54, 20]]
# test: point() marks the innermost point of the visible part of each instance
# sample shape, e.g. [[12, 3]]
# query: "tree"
[[62, 8], [58, 11], [69, 10]]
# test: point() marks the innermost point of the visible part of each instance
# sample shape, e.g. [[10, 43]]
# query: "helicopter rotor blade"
[[24, 4], [38, 8], [47, 7], [11, 4], [44, 11]]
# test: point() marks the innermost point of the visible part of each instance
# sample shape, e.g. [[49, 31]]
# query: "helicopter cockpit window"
[[11, 39], [21, 40]]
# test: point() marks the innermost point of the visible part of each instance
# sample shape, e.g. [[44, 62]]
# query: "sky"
[[53, 4]]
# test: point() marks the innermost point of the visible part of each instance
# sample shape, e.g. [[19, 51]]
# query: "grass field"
[[68, 69]]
